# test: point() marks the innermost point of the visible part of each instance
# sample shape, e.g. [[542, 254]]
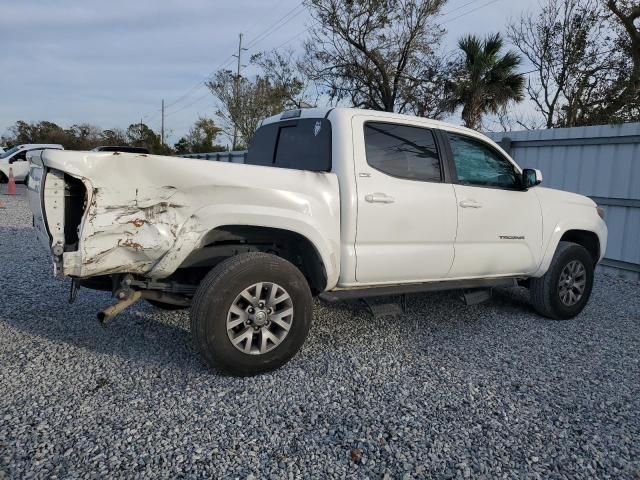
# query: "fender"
[[562, 212], [564, 226], [208, 218]]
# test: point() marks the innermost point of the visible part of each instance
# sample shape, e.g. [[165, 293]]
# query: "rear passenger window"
[[303, 144], [402, 151]]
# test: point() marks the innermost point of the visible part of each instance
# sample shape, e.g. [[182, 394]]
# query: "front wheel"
[[251, 314], [564, 290]]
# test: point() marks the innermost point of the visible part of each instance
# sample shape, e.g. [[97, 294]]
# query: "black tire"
[[165, 306], [3, 178], [544, 291], [26, 180], [218, 292]]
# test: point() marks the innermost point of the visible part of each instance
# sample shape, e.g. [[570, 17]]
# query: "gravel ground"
[[445, 391]]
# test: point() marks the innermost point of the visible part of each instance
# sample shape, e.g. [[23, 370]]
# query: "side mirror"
[[531, 177]]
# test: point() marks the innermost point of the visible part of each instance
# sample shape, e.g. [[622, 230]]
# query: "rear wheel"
[[251, 314], [564, 290]]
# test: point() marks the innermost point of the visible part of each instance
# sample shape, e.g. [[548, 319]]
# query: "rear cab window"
[[302, 144]]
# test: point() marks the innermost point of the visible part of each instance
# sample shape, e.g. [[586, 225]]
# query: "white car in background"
[[16, 159]]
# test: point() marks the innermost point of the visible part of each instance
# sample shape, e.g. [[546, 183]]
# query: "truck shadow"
[[153, 338], [142, 334]]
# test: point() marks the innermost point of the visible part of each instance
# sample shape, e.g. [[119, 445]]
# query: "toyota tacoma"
[[337, 203]]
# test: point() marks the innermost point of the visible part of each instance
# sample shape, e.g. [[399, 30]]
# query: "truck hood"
[[551, 195]]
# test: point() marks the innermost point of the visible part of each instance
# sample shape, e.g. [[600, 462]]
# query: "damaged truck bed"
[[106, 213]]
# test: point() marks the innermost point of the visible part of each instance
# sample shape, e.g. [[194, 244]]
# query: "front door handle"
[[379, 198], [470, 204]]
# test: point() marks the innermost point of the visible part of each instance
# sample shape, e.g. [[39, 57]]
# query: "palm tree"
[[484, 80]]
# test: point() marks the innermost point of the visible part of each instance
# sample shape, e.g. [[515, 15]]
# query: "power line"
[[200, 84], [286, 18], [277, 25], [290, 39], [281, 22], [207, 94], [469, 11], [260, 20], [458, 8], [264, 34]]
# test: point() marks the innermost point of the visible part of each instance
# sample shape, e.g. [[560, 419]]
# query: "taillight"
[[600, 211]]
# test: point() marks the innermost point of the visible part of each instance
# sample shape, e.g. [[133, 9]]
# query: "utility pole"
[[162, 125], [237, 92]]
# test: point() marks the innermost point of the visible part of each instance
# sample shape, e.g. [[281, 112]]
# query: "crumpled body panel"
[[146, 213]]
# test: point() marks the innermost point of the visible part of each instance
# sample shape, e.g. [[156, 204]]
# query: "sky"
[[110, 63]]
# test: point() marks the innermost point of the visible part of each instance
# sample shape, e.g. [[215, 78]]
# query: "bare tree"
[[580, 61], [374, 53], [507, 120], [113, 136], [282, 69], [428, 97], [244, 102], [622, 98]]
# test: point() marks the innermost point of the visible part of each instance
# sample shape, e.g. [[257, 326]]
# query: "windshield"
[[10, 152]]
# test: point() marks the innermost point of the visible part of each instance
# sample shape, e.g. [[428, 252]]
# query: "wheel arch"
[[225, 241], [592, 239], [585, 238]]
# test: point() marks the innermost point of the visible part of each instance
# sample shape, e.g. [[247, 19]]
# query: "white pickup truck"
[[340, 203]]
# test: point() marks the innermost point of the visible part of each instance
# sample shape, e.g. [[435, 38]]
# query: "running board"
[[364, 292]]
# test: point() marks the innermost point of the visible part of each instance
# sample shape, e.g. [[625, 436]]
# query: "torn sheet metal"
[[146, 214]]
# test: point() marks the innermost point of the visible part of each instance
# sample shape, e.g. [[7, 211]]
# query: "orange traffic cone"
[[11, 186]]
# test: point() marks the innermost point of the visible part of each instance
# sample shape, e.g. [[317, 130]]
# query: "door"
[[499, 223], [406, 223]]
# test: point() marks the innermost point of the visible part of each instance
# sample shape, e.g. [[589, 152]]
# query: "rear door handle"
[[470, 204], [379, 198]]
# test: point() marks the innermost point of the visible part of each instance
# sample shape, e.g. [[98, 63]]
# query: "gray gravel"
[[445, 391]]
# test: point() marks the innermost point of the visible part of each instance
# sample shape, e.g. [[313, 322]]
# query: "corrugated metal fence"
[[602, 162]]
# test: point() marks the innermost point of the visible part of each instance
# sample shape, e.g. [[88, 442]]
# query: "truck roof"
[[348, 113], [329, 112]]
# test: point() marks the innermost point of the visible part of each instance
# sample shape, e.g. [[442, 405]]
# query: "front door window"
[[478, 164]]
